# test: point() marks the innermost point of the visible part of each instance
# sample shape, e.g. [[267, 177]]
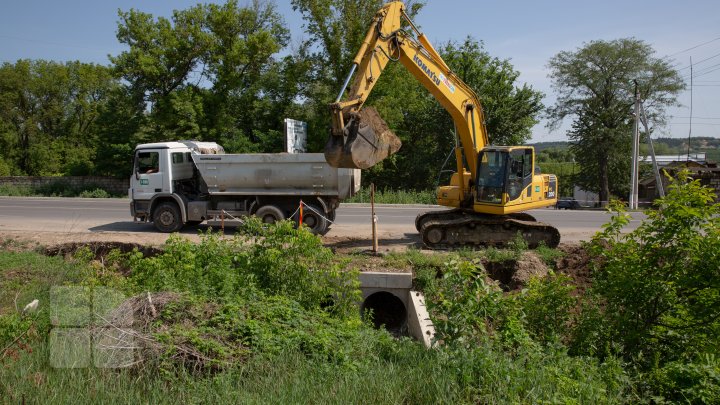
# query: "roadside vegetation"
[[269, 316], [390, 196], [56, 189]]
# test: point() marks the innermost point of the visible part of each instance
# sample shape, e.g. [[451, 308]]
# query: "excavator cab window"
[[492, 166], [519, 173]]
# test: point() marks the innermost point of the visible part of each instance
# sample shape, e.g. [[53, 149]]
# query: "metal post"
[[634, 164], [374, 218], [301, 215], [658, 178]]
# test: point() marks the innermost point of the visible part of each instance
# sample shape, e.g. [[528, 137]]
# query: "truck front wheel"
[[269, 214], [166, 217]]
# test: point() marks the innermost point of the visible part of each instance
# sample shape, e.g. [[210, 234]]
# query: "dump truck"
[[187, 182]]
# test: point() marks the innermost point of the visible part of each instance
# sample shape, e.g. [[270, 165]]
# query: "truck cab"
[[160, 171]]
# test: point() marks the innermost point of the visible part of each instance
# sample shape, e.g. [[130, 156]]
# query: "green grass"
[[378, 369], [395, 197], [410, 375]]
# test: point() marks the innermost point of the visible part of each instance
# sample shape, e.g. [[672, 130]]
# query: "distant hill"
[[540, 146], [663, 146]]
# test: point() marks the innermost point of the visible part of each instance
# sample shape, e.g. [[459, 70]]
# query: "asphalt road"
[[395, 222]]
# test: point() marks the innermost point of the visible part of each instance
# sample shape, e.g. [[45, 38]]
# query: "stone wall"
[[113, 185]]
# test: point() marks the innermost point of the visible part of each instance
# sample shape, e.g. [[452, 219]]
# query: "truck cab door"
[[149, 174]]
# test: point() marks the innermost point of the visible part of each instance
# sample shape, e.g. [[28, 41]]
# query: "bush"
[[94, 193], [655, 298], [277, 259], [390, 196]]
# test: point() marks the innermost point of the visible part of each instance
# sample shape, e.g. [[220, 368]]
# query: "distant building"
[[664, 160], [700, 168]]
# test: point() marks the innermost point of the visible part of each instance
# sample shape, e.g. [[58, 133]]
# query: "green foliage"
[[227, 46], [595, 86], [59, 188], [48, 113], [548, 255], [95, 193], [660, 283], [547, 303], [473, 310], [656, 293], [278, 260], [390, 196], [12, 326], [696, 381]]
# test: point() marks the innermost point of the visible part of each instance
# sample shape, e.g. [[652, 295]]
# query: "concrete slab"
[[419, 324], [374, 279]]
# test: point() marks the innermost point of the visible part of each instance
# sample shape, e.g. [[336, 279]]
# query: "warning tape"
[[302, 203]]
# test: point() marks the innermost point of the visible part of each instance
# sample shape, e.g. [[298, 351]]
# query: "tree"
[[48, 115], [595, 87], [201, 74]]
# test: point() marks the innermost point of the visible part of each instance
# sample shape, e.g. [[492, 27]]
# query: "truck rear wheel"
[[315, 221], [269, 214], [166, 217]]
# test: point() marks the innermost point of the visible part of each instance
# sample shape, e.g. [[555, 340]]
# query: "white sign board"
[[295, 136]]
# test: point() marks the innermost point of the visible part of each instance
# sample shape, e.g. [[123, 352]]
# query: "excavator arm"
[[359, 137]]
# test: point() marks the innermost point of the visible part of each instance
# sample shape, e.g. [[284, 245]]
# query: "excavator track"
[[461, 228]]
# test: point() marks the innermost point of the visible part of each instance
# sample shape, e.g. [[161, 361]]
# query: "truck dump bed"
[[275, 174]]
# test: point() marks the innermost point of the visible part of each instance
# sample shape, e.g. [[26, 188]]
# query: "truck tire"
[[269, 214], [314, 221], [166, 217]]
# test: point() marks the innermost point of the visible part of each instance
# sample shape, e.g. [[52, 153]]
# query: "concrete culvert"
[[387, 310]]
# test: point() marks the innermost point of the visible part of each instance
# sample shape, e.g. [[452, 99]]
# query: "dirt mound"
[[577, 263], [369, 116], [100, 249], [515, 274]]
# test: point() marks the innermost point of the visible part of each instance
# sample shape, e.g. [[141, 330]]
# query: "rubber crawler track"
[[459, 228]]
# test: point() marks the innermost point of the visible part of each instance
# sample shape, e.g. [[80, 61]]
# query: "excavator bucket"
[[366, 141]]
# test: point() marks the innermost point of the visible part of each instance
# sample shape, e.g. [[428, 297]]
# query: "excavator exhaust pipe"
[[366, 140]]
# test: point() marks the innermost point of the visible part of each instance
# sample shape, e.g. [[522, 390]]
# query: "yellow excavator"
[[492, 184]]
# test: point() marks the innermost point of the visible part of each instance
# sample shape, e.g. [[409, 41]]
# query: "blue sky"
[[528, 33]]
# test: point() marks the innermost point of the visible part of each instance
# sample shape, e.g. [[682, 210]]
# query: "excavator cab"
[[503, 174]]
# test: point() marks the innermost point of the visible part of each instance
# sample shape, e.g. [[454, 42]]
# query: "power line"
[[705, 70], [691, 48], [704, 60]]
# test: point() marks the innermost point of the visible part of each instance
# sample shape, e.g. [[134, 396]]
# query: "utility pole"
[[691, 111], [658, 178], [634, 169]]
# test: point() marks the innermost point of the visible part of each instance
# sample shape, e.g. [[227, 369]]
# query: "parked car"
[[567, 203]]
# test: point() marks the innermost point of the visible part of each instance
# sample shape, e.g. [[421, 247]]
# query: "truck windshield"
[[491, 176]]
